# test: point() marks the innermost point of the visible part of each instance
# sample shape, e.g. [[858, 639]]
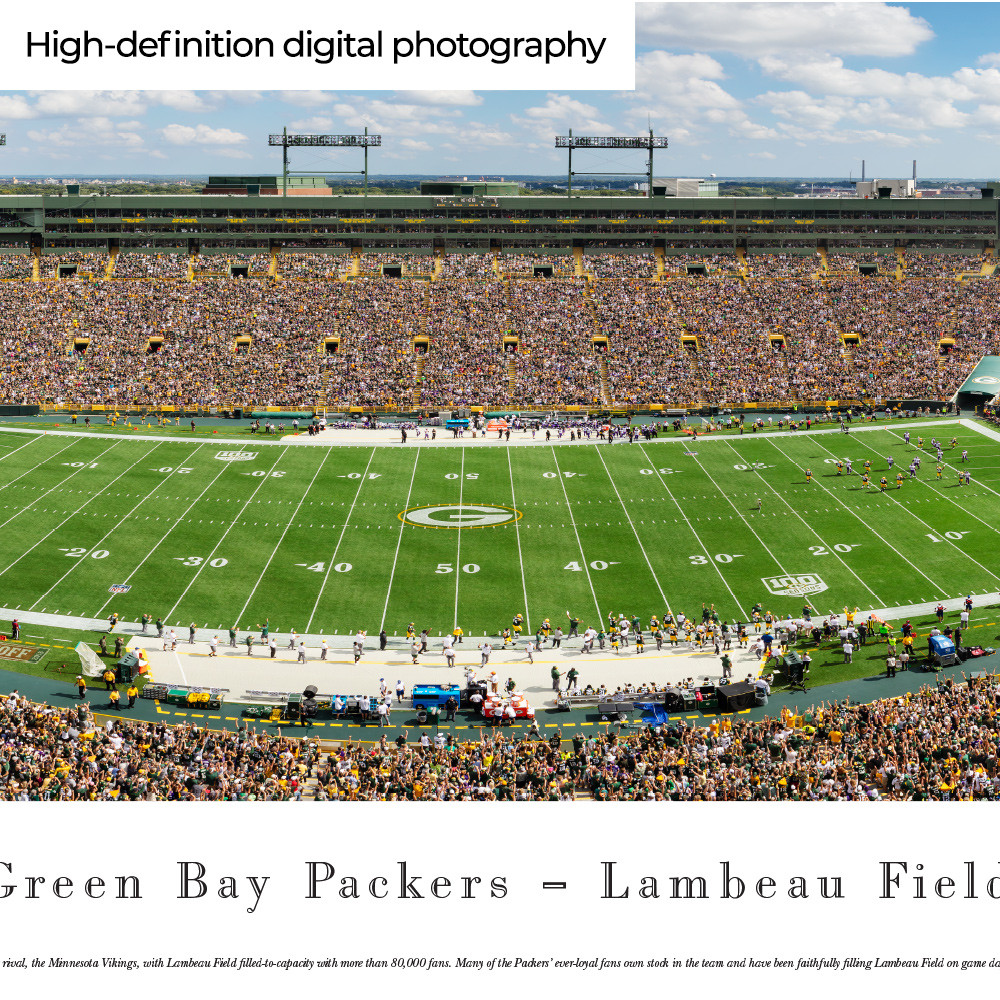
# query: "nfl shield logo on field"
[[793, 586], [236, 456], [119, 588]]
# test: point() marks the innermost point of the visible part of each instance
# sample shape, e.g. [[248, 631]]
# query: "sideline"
[[360, 438]]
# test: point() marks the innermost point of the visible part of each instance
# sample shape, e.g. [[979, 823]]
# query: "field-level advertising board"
[[90, 662]]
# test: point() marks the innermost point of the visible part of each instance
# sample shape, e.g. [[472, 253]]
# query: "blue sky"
[[740, 88]]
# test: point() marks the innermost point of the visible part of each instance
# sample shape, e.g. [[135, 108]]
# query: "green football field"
[[314, 538]]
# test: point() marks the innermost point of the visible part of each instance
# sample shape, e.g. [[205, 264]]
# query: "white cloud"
[[90, 133], [755, 29], [560, 112], [764, 155], [687, 81], [178, 100], [201, 135], [233, 154], [415, 146], [306, 98], [441, 98], [317, 123]]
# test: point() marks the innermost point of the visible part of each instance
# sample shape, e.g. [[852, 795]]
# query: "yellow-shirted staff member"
[[457, 633], [132, 693]]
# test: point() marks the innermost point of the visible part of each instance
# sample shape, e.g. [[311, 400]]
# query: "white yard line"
[[937, 587], [642, 548], [929, 483], [208, 558], [572, 520], [932, 530], [458, 554], [295, 513], [93, 548], [75, 472], [84, 504], [20, 446], [336, 548], [517, 535], [739, 513], [399, 541], [225, 467], [828, 546], [32, 469], [697, 538]]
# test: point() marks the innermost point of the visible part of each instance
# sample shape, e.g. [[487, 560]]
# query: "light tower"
[[649, 143], [286, 141]]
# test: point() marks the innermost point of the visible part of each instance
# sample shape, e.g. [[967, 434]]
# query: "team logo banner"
[[236, 456], [794, 586], [455, 515]]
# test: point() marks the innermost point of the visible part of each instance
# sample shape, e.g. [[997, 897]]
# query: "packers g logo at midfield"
[[459, 515]]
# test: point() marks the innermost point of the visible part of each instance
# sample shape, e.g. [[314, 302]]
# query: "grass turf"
[[311, 538]]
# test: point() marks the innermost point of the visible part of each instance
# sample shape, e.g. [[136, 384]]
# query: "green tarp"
[[985, 378]]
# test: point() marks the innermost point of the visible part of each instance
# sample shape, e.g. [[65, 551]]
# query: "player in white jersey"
[[965, 456], [847, 466]]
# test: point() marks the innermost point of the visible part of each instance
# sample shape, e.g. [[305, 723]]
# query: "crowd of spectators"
[[16, 266], [772, 329], [50, 754], [220, 263], [312, 266], [143, 266], [623, 266], [939, 743]]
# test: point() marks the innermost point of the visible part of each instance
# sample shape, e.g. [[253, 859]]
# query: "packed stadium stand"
[[505, 302]]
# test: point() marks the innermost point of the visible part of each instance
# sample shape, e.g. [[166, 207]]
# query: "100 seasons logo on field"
[[459, 515], [794, 586]]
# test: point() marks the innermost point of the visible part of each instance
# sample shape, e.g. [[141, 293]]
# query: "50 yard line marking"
[[697, 538], [285, 532], [579, 544], [142, 562], [597, 448], [517, 535], [830, 548], [246, 503], [458, 554], [347, 521], [93, 548], [402, 525]]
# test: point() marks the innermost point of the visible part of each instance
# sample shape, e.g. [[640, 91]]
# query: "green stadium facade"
[[477, 224]]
